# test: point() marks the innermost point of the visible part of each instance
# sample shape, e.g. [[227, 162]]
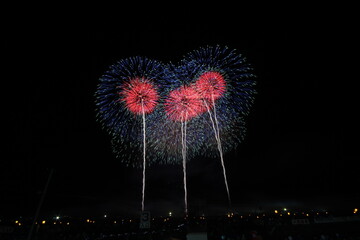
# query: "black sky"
[[299, 148]]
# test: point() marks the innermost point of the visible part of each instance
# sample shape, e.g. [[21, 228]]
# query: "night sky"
[[298, 151]]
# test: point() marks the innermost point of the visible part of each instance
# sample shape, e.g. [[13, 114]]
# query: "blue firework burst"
[[119, 108]]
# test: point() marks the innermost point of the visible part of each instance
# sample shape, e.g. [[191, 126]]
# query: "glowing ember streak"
[[144, 156], [217, 132], [183, 142], [218, 140]]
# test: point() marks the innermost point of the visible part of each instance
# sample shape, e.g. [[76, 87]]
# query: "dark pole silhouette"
[[40, 204]]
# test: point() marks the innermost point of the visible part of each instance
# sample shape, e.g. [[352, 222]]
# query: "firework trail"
[[144, 155], [218, 140], [183, 141]]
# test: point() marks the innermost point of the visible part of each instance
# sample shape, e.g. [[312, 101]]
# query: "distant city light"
[[272, 214]]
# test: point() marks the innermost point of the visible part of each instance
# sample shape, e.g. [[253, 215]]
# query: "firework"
[[128, 87], [174, 113], [125, 95], [227, 74], [183, 104], [118, 99], [210, 85], [140, 96]]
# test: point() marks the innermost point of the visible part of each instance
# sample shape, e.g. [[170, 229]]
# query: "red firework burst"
[[183, 104], [210, 85], [139, 95]]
